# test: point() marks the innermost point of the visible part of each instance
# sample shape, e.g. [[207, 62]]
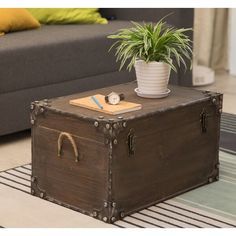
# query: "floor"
[[225, 84], [15, 150]]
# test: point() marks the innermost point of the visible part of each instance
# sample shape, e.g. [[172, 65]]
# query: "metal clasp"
[[131, 142], [203, 121]]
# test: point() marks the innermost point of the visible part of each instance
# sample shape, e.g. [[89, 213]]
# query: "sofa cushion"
[[16, 19], [67, 15], [55, 54]]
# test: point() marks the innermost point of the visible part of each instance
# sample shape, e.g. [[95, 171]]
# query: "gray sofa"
[[57, 60]]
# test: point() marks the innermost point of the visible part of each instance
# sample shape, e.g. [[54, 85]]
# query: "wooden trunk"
[[110, 166]]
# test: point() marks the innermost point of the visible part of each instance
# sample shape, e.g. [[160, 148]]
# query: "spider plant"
[[152, 42]]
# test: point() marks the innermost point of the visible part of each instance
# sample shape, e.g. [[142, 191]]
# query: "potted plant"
[[153, 49]]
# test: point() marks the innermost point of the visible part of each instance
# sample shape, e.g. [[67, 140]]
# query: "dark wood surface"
[[179, 96]]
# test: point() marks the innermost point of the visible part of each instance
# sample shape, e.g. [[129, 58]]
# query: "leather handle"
[[61, 137]]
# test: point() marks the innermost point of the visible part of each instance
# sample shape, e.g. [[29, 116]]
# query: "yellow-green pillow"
[[67, 15], [16, 19]]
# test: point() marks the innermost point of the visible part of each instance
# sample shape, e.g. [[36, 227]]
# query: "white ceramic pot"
[[152, 77]]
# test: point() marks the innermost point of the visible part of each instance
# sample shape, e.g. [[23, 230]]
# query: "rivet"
[[32, 106], [32, 192], [214, 100], [122, 214], [107, 141], [41, 109], [120, 117], [110, 180], [36, 102], [114, 204], [115, 141], [45, 100], [105, 204], [96, 124], [220, 110], [210, 180], [32, 121], [108, 126], [104, 219], [115, 126], [113, 219], [41, 195], [111, 120], [100, 117], [33, 179], [95, 214], [124, 124]]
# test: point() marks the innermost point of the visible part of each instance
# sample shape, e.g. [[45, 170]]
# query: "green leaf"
[[152, 42]]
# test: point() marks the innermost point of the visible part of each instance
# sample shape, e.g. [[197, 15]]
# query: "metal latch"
[[203, 121], [131, 142]]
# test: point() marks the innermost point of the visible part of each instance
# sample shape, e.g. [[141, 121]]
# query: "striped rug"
[[206, 207]]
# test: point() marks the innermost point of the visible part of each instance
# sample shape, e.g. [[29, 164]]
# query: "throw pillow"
[[67, 15], [16, 19]]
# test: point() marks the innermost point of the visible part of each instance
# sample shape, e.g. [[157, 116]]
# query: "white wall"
[[232, 42]]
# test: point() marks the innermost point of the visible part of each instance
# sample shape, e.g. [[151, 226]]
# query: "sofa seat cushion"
[[55, 54]]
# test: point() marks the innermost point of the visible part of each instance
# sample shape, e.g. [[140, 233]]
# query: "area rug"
[[209, 206]]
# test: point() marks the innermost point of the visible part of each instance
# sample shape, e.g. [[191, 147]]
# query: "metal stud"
[[122, 214], [36, 102], [113, 219], [32, 192], [45, 100], [96, 124], [42, 195], [100, 117], [214, 100], [105, 204], [95, 214], [113, 204], [104, 219], [107, 141], [41, 109], [32, 121], [124, 124], [115, 126], [32, 106], [120, 117], [115, 141], [108, 126], [220, 110], [210, 180], [33, 179]]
